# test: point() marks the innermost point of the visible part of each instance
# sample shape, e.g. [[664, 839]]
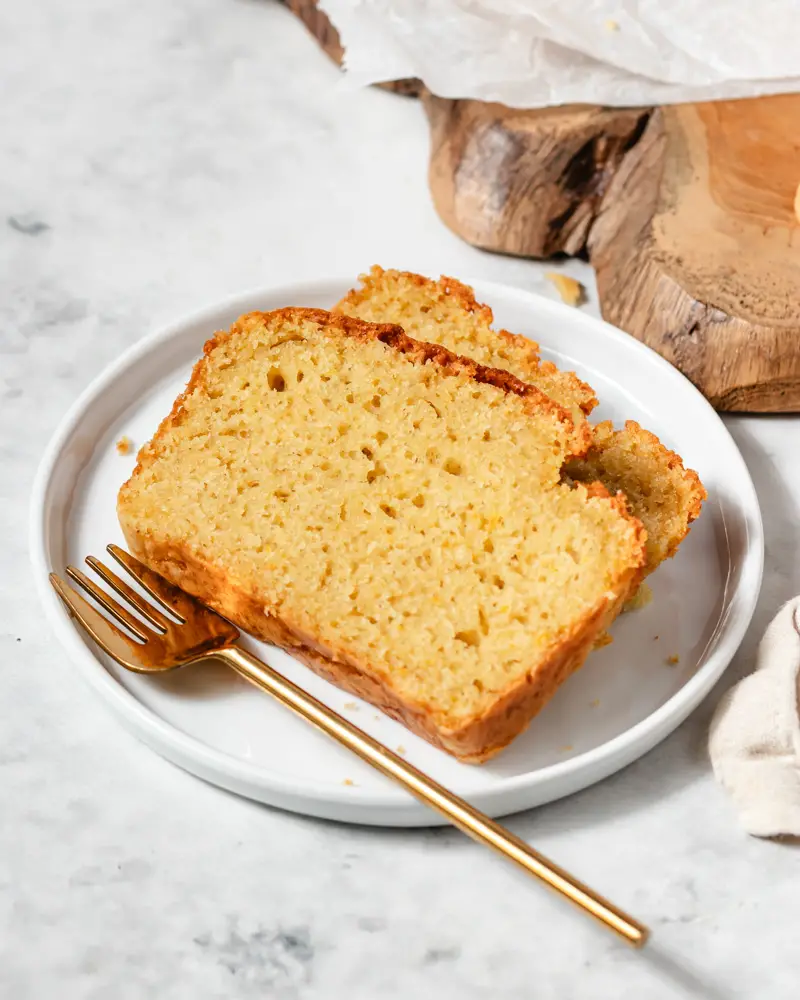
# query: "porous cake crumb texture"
[[661, 493], [393, 514], [445, 312], [665, 496]]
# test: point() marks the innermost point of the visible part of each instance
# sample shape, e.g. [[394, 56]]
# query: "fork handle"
[[473, 822]]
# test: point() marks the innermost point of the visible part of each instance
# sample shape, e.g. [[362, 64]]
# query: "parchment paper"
[[535, 53]]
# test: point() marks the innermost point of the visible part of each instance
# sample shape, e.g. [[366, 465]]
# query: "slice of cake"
[[665, 496], [661, 493], [392, 514], [445, 312]]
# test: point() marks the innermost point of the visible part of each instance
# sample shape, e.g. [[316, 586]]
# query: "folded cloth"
[[755, 733]]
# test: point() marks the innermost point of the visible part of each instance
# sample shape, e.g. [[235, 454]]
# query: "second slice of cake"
[[390, 513], [664, 495]]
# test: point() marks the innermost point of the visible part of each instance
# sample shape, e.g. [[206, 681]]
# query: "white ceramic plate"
[[625, 699]]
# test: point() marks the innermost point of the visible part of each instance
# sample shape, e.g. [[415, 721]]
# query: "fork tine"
[[112, 639], [171, 598], [145, 608], [123, 616]]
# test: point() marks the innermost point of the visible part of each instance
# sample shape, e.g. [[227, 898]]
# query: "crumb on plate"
[[611, 25], [124, 445], [401, 750], [603, 640], [672, 660], [566, 748], [595, 703], [351, 706], [570, 289], [348, 781]]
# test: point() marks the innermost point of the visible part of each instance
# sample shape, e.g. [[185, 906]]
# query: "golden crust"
[[463, 294], [465, 297], [537, 402], [669, 459], [478, 738], [685, 484]]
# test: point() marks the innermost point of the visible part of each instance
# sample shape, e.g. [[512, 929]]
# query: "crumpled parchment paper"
[[537, 53]]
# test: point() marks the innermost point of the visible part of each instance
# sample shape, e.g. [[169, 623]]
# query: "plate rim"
[[355, 803]]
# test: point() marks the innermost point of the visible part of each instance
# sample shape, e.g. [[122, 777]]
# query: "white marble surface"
[[155, 156]]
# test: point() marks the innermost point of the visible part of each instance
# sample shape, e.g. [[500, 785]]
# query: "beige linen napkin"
[[755, 733]]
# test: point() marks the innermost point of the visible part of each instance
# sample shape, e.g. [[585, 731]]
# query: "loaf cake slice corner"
[[661, 492]]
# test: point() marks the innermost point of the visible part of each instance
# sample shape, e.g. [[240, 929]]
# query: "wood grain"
[[525, 182], [328, 37], [697, 251], [319, 26]]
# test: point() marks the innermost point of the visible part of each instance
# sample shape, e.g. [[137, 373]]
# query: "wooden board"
[[687, 213], [525, 182], [697, 248]]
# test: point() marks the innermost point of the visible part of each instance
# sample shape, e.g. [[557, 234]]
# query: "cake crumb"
[[595, 703], [124, 445], [348, 781], [672, 660], [642, 597], [603, 640], [351, 706], [570, 289], [401, 750], [611, 24], [655, 638], [566, 748]]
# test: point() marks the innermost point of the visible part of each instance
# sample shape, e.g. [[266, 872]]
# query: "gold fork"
[[180, 632]]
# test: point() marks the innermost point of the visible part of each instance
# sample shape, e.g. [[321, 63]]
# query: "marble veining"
[[276, 959], [154, 157]]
